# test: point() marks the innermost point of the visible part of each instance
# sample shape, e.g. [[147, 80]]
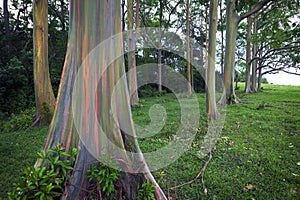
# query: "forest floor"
[[257, 155]]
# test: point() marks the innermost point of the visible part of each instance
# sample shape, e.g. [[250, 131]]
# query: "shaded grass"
[[256, 157], [18, 151]]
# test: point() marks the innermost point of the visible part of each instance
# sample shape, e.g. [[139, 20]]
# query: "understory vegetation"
[[256, 157]]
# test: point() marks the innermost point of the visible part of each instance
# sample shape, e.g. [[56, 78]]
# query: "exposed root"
[[197, 176]]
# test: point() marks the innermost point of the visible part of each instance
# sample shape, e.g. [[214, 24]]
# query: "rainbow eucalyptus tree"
[[44, 96], [188, 46], [232, 21], [93, 106], [211, 106], [132, 79], [248, 56]]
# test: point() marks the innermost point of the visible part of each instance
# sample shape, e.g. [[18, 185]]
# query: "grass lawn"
[[256, 157]]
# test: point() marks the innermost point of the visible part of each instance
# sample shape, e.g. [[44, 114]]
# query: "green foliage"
[[105, 177], [146, 191], [20, 121], [46, 182], [150, 91], [13, 82], [264, 80]]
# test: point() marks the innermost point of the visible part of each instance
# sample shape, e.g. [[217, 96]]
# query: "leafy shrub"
[[105, 176], [21, 121], [46, 182], [146, 192], [150, 91]]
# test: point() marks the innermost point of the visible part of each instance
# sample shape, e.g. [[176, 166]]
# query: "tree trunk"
[[133, 90], [93, 106], [44, 96], [159, 50], [6, 25], [207, 35], [188, 46], [259, 84], [222, 39], [211, 106], [62, 8], [123, 14], [6, 17], [248, 56], [259, 79], [254, 64], [229, 62]]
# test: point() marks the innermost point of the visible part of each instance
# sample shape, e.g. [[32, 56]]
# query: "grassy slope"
[[259, 147]]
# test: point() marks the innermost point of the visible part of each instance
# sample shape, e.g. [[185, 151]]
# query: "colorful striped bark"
[[90, 114]]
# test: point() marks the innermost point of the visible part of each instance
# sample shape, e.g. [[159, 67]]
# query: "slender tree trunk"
[[211, 107], [160, 50], [44, 96], [6, 17], [62, 8], [133, 90], [248, 56], [259, 85], [229, 61], [137, 19], [94, 115], [254, 64], [6, 25], [259, 79], [222, 38], [207, 35], [123, 15], [188, 46]]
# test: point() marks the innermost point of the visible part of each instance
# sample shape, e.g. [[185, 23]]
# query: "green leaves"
[[146, 192], [42, 182], [105, 176]]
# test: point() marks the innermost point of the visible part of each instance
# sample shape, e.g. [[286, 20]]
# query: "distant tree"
[[265, 80], [248, 56], [277, 38], [188, 46], [211, 106], [232, 21], [6, 17], [254, 52], [44, 95], [132, 79]]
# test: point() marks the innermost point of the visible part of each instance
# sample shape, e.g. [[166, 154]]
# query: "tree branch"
[[256, 8]]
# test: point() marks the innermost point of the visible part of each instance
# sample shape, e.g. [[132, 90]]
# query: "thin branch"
[[58, 15], [256, 8], [172, 11], [197, 176]]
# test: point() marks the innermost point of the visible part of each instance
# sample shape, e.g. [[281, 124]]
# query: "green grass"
[[259, 147], [17, 152]]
